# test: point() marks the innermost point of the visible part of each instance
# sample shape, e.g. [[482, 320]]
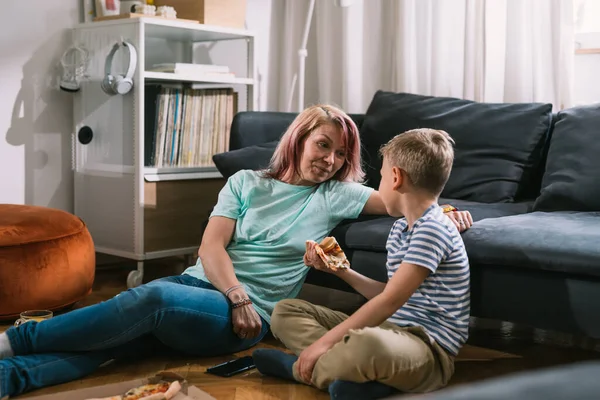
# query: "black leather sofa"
[[530, 178]]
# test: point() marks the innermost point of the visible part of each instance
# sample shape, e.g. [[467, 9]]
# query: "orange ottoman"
[[47, 259]]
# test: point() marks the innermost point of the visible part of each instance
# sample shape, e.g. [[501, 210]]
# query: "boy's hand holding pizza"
[[326, 256]]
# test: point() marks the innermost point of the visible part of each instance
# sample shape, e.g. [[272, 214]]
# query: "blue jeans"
[[179, 313]]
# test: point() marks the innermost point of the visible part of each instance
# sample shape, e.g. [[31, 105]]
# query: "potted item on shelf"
[[145, 9], [166, 12]]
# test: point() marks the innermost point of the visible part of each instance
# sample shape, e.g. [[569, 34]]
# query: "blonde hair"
[[426, 155], [287, 155]]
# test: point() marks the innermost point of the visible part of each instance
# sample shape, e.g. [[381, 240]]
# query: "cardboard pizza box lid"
[[114, 389]]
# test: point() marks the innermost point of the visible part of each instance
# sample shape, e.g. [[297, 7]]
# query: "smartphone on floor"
[[232, 367]]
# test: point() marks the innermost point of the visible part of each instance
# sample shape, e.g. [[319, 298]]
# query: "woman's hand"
[[246, 321], [312, 259], [309, 357], [462, 219]]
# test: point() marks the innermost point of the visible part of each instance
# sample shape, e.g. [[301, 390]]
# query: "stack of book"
[[185, 127], [197, 71]]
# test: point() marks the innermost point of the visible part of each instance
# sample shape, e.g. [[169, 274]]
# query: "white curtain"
[[538, 51], [483, 50], [350, 52], [439, 48]]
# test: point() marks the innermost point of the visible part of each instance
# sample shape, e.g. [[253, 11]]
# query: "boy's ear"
[[397, 178]]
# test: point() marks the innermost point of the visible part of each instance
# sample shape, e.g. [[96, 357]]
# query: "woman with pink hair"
[[251, 257]]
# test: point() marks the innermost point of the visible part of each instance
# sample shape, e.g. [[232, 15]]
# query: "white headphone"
[[120, 84]]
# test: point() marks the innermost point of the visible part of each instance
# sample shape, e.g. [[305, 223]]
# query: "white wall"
[[35, 117]]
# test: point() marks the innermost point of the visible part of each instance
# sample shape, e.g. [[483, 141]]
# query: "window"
[[586, 15]]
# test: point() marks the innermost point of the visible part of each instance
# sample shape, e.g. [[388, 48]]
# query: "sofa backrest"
[[250, 128], [499, 146], [531, 183], [570, 181], [253, 139]]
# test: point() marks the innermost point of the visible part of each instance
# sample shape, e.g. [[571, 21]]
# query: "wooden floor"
[[493, 349]]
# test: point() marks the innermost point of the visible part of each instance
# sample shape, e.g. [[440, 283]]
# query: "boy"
[[408, 333]]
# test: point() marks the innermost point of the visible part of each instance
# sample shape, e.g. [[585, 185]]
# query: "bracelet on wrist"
[[241, 303], [231, 289]]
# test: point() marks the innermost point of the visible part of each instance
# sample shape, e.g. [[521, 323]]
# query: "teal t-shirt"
[[273, 221]]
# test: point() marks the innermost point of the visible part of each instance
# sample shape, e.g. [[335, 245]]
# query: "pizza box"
[[187, 392]]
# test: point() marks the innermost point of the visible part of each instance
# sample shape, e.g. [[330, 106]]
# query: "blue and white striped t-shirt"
[[441, 305]]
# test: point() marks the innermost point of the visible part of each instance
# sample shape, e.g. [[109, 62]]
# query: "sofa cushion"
[[565, 241], [252, 157], [571, 182], [497, 145], [370, 232], [481, 211]]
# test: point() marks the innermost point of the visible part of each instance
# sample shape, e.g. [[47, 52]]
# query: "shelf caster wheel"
[[134, 279]]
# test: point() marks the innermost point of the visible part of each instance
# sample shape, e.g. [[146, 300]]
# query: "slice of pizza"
[[332, 254], [154, 391]]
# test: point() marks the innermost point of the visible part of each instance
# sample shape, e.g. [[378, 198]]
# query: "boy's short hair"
[[426, 155]]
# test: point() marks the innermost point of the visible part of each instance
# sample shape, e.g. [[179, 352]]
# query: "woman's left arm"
[[375, 206]]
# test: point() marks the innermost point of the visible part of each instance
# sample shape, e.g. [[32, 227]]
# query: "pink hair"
[[286, 159]]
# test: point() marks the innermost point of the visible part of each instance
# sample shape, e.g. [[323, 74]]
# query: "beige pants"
[[404, 358]]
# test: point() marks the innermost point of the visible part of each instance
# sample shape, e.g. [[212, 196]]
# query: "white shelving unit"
[[167, 76], [115, 193]]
